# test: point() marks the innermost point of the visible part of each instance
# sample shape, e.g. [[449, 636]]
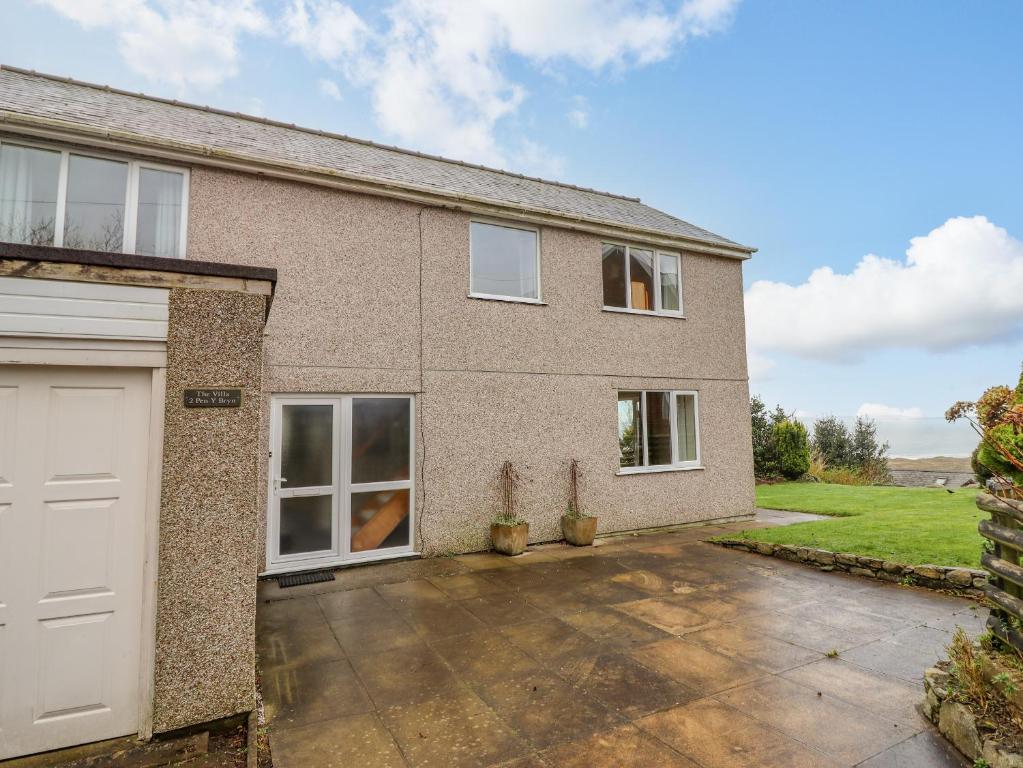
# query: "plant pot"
[[509, 539], [579, 531]]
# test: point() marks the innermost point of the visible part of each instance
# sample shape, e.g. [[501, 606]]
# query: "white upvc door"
[[341, 480], [74, 448], [305, 476]]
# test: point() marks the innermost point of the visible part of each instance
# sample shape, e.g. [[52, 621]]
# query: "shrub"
[[998, 418], [818, 467], [848, 458], [831, 439], [792, 448], [763, 446], [865, 451], [875, 472], [766, 458], [981, 472]]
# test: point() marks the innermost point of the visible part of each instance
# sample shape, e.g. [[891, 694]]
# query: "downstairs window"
[[658, 430]]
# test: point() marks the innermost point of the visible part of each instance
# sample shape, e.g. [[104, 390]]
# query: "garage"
[[129, 438], [74, 466]]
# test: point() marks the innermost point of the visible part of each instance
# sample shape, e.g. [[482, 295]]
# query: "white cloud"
[[436, 69], [183, 43], [580, 116], [959, 285], [324, 29], [329, 89], [881, 412], [759, 366]]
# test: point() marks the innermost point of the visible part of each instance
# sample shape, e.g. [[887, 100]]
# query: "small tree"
[[868, 456], [832, 441], [763, 445], [998, 418], [765, 450], [793, 448]]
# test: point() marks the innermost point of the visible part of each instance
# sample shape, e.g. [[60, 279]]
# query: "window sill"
[[508, 299], [656, 470], [644, 312]]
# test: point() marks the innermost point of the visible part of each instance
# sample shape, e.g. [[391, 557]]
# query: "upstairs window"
[[641, 280], [658, 430], [77, 200], [504, 262]]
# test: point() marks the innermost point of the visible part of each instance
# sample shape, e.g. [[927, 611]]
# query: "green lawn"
[[907, 525]]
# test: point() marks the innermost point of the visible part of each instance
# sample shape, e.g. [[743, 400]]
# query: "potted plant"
[[578, 527], [509, 533]]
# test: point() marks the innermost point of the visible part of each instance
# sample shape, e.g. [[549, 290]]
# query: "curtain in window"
[[159, 218], [28, 194], [685, 413]]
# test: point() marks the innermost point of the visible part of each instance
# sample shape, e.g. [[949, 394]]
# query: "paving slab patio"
[[644, 650]]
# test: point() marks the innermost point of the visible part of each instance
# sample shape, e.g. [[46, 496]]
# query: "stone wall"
[[966, 580], [921, 478], [958, 722]]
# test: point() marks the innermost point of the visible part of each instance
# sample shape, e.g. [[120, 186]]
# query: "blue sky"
[[819, 132]]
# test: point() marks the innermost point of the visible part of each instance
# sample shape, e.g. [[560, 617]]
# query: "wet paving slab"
[[649, 650]]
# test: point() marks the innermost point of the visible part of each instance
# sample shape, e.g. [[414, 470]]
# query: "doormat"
[[309, 577]]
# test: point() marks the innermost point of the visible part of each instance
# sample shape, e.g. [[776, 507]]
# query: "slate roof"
[[266, 141]]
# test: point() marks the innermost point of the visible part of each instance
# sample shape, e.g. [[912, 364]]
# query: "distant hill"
[[934, 463]]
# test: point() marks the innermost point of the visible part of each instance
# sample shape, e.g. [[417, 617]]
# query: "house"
[[430, 319]]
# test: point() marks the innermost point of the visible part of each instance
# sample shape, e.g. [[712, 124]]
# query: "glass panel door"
[[342, 484], [379, 492], [305, 462]]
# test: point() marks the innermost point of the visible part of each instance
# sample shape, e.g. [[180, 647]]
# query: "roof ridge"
[[313, 131]]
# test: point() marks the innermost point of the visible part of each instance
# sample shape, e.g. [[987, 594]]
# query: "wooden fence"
[[1005, 588]]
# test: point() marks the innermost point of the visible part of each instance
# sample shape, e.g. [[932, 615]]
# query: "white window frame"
[[676, 464], [342, 487], [658, 253], [131, 202], [539, 275]]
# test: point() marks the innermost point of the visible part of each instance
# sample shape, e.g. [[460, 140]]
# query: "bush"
[[763, 448], [843, 476], [849, 458], [792, 448], [998, 417], [831, 439], [766, 457], [981, 472]]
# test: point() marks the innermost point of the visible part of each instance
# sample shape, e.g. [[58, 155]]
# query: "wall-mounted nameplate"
[[213, 398]]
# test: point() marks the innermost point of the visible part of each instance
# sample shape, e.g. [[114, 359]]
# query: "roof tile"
[[43, 96]]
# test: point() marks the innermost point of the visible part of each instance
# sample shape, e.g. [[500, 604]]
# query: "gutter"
[[183, 152]]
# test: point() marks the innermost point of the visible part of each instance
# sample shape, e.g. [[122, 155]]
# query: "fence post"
[[1005, 588]]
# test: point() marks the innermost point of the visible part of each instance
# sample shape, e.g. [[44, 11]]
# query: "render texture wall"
[[533, 384], [206, 593]]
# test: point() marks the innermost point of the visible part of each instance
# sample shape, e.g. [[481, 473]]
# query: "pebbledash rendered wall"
[[494, 380], [209, 513]]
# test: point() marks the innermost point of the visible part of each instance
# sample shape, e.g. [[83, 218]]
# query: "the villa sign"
[[213, 398]]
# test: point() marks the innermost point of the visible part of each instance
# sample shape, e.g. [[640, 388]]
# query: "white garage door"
[[73, 461]]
